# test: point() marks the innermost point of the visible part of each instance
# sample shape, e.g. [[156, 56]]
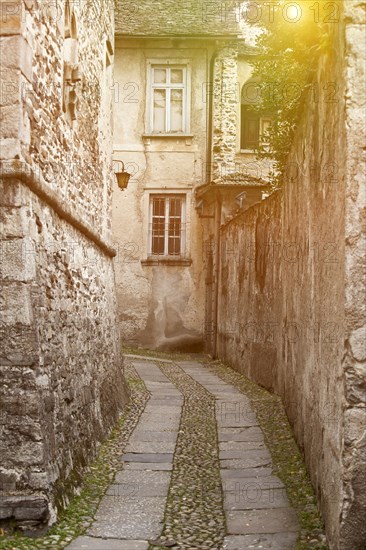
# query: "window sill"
[[172, 135], [186, 137], [166, 260]]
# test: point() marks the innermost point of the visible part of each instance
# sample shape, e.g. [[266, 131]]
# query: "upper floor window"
[[169, 99], [167, 225], [252, 125]]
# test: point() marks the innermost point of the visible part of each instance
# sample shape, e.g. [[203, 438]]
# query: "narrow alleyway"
[[196, 471]]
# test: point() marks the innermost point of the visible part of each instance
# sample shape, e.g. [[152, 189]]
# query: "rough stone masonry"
[[292, 306], [61, 367]]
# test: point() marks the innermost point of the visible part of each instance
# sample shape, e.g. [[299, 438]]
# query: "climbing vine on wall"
[[294, 35]]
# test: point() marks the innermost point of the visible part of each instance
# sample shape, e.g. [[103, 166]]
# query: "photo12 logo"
[[254, 12]]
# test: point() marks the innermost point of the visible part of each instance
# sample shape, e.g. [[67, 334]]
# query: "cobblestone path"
[[196, 473]]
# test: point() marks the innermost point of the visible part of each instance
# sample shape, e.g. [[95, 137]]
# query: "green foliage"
[[289, 48]]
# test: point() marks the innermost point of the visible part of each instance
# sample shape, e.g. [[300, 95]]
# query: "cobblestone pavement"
[[195, 474]]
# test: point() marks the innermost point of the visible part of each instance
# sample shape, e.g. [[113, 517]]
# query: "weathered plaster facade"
[[291, 308], [162, 298], [61, 366]]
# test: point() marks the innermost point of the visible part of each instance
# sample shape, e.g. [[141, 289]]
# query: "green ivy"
[[289, 48]]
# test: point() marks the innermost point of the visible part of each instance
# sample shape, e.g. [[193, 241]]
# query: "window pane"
[[159, 206], [157, 244], [158, 226], [249, 128], [176, 76], [175, 226], [176, 110], [174, 246], [175, 207], [252, 130], [159, 110], [159, 76]]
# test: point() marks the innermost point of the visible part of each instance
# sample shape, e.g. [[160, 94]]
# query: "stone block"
[[148, 457], [10, 149], [262, 521], [10, 120], [11, 15], [355, 423], [94, 543], [119, 518], [19, 261], [10, 91], [278, 541], [357, 342], [24, 507], [17, 54], [16, 304], [11, 223]]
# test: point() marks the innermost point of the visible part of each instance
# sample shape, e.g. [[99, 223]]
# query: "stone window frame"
[[171, 260], [169, 63], [168, 217]]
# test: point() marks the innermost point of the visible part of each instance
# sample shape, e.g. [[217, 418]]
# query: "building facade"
[[180, 71]]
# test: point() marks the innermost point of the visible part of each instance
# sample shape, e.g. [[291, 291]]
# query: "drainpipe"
[[217, 215], [217, 235]]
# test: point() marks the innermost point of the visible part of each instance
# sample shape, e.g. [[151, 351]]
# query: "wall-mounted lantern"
[[121, 175], [239, 199]]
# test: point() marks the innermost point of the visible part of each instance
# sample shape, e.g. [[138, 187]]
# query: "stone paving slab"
[[252, 483], [238, 473], [232, 422], [250, 459], [164, 427], [141, 478], [161, 407], [148, 457], [255, 499], [239, 446], [275, 520], [148, 466], [134, 491], [165, 416], [171, 402], [123, 518], [140, 434], [240, 434], [151, 447], [92, 543], [278, 541], [246, 449]]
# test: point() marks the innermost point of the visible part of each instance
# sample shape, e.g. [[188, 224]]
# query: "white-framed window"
[[167, 221], [168, 99]]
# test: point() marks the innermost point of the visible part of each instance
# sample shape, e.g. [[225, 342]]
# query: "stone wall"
[[224, 117], [291, 308], [61, 366]]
